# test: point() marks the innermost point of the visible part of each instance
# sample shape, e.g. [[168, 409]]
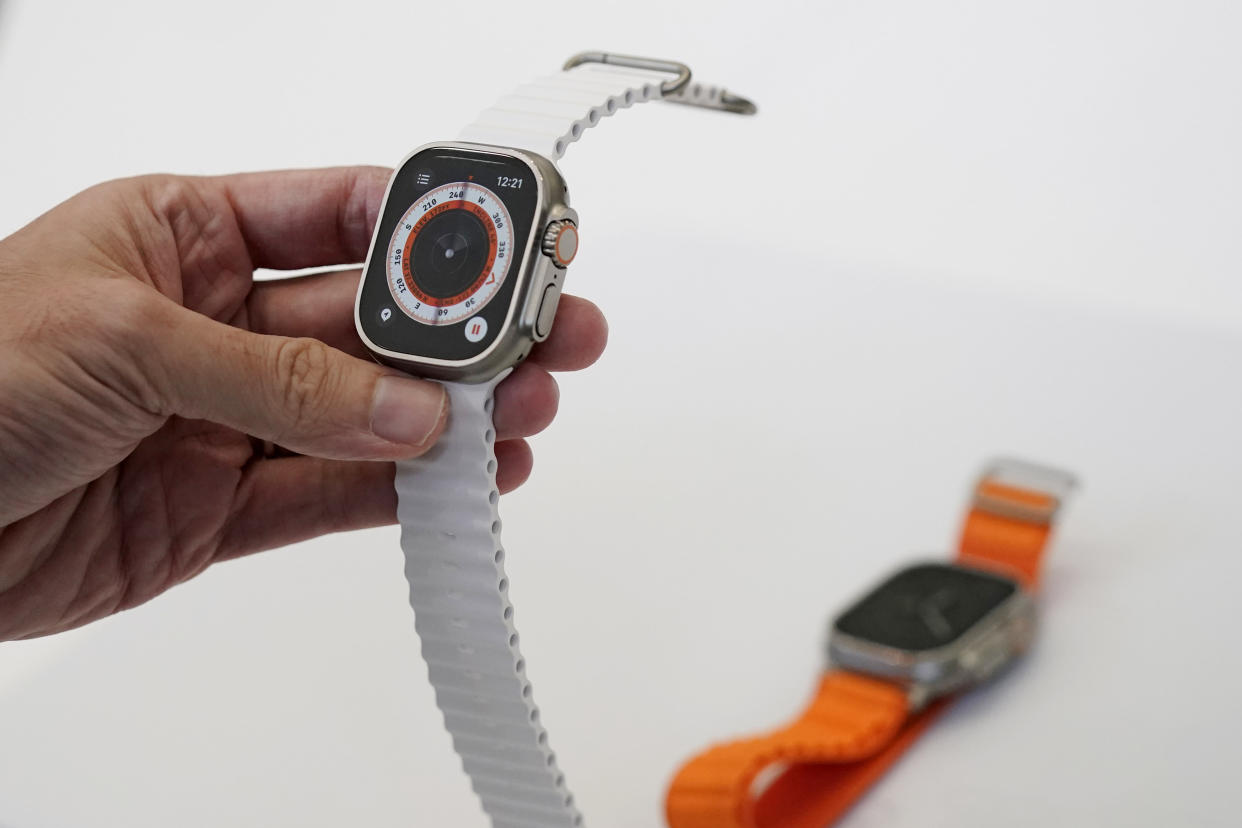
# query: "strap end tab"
[[677, 89], [1022, 490]]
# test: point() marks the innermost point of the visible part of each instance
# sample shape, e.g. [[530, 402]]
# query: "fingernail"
[[405, 410]]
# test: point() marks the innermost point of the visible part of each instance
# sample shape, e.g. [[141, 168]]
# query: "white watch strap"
[[454, 561], [549, 114], [447, 498]]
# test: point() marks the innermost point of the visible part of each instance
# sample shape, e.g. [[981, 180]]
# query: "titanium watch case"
[[537, 278], [972, 656]]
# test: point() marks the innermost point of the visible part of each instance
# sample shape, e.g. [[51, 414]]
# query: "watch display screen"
[[448, 253], [925, 606]]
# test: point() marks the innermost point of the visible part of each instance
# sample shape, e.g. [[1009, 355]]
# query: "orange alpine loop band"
[[856, 726], [1007, 530], [836, 748]]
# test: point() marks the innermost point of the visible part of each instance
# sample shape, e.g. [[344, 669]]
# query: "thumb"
[[298, 393]]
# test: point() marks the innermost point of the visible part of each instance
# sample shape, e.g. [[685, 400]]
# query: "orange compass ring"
[[484, 274]]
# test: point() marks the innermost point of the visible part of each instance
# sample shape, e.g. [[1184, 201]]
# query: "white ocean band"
[[447, 498], [454, 561], [549, 114]]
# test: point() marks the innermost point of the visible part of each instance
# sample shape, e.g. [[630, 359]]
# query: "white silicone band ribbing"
[[454, 561], [447, 504], [549, 114]]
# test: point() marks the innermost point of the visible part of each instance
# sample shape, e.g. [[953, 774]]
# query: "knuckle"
[[303, 366], [135, 195], [161, 189]]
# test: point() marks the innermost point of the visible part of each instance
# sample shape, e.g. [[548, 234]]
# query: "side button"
[[547, 311]]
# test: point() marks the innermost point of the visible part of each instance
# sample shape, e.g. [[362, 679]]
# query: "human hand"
[[145, 377]]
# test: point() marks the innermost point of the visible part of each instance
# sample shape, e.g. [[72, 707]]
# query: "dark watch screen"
[[448, 253], [925, 606]]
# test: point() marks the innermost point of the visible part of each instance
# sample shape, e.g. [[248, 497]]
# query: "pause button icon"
[[476, 329]]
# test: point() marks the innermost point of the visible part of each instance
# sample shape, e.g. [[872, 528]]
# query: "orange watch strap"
[[1003, 544], [851, 721], [816, 795], [1011, 517], [856, 727]]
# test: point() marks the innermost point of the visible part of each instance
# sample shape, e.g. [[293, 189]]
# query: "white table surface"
[[950, 233]]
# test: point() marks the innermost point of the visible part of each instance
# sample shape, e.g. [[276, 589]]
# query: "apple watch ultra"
[[463, 277], [894, 660]]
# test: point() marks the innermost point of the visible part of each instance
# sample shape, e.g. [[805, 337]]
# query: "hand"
[[145, 378]]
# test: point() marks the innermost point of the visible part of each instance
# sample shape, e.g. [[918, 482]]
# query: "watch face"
[[925, 607], [447, 259]]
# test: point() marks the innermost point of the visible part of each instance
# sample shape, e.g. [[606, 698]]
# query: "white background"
[[954, 229]]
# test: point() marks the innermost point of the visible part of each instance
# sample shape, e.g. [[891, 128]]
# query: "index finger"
[[578, 336], [306, 218]]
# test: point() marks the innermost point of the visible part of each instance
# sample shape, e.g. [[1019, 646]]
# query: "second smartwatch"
[[894, 658]]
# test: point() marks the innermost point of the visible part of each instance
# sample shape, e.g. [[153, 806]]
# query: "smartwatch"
[[895, 658], [463, 277]]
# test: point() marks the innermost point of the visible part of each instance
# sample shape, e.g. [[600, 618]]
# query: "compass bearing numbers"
[[450, 253]]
